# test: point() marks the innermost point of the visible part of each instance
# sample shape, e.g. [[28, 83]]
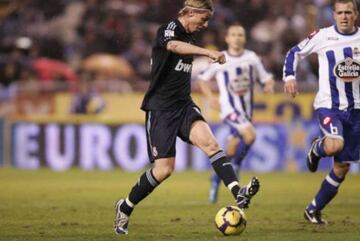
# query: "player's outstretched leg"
[[247, 192], [313, 156], [123, 208], [121, 221], [328, 190], [236, 163], [214, 188]]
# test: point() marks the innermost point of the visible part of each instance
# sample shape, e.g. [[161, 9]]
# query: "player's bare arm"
[[206, 90], [290, 87], [183, 48], [269, 86]]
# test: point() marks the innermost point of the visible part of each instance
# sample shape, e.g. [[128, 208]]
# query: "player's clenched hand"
[[291, 88], [216, 56], [269, 86]]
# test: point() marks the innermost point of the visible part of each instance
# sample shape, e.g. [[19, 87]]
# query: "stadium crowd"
[[53, 45]]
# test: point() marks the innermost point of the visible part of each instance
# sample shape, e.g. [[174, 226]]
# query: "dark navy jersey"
[[170, 85]]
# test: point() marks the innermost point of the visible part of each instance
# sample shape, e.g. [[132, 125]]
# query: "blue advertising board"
[[90, 146]]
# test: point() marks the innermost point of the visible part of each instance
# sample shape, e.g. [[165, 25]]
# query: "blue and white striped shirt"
[[235, 80], [339, 67]]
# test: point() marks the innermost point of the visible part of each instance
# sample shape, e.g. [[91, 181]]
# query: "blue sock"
[[319, 149], [327, 192], [215, 180], [237, 170], [240, 154]]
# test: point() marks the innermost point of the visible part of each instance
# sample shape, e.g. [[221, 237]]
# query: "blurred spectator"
[[70, 31], [87, 99], [49, 71], [138, 55], [250, 12]]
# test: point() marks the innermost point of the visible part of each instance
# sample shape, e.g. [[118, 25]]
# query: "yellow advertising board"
[[125, 108]]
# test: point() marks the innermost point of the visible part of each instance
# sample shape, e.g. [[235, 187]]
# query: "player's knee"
[[164, 172], [341, 169], [232, 145], [333, 146], [167, 171], [210, 146], [250, 137], [230, 151], [163, 169]]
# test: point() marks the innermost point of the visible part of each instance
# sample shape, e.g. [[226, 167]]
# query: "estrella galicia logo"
[[347, 70]]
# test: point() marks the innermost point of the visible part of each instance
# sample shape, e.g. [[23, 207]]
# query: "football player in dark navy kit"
[[170, 111]]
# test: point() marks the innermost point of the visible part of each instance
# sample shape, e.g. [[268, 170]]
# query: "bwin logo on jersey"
[[347, 70], [180, 66]]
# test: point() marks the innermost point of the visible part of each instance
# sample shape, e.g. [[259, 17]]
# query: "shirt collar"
[[181, 27], [346, 34]]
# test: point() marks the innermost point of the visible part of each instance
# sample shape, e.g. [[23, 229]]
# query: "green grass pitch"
[[78, 205]]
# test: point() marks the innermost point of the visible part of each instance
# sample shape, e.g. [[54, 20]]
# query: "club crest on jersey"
[[356, 52], [169, 33], [326, 120], [154, 151], [347, 70], [312, 34]]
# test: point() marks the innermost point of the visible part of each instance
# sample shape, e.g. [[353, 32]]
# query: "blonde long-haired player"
[[235, 80], [170, 111]]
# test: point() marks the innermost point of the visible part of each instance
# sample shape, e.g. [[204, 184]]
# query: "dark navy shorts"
[[344, 125], [162, 128]]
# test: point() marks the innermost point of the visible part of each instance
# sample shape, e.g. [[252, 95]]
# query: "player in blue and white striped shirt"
[[337, 101], [235, 80]]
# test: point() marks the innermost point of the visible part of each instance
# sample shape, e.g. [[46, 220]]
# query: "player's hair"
[[235, 24], [197, 5], [354, 3]]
